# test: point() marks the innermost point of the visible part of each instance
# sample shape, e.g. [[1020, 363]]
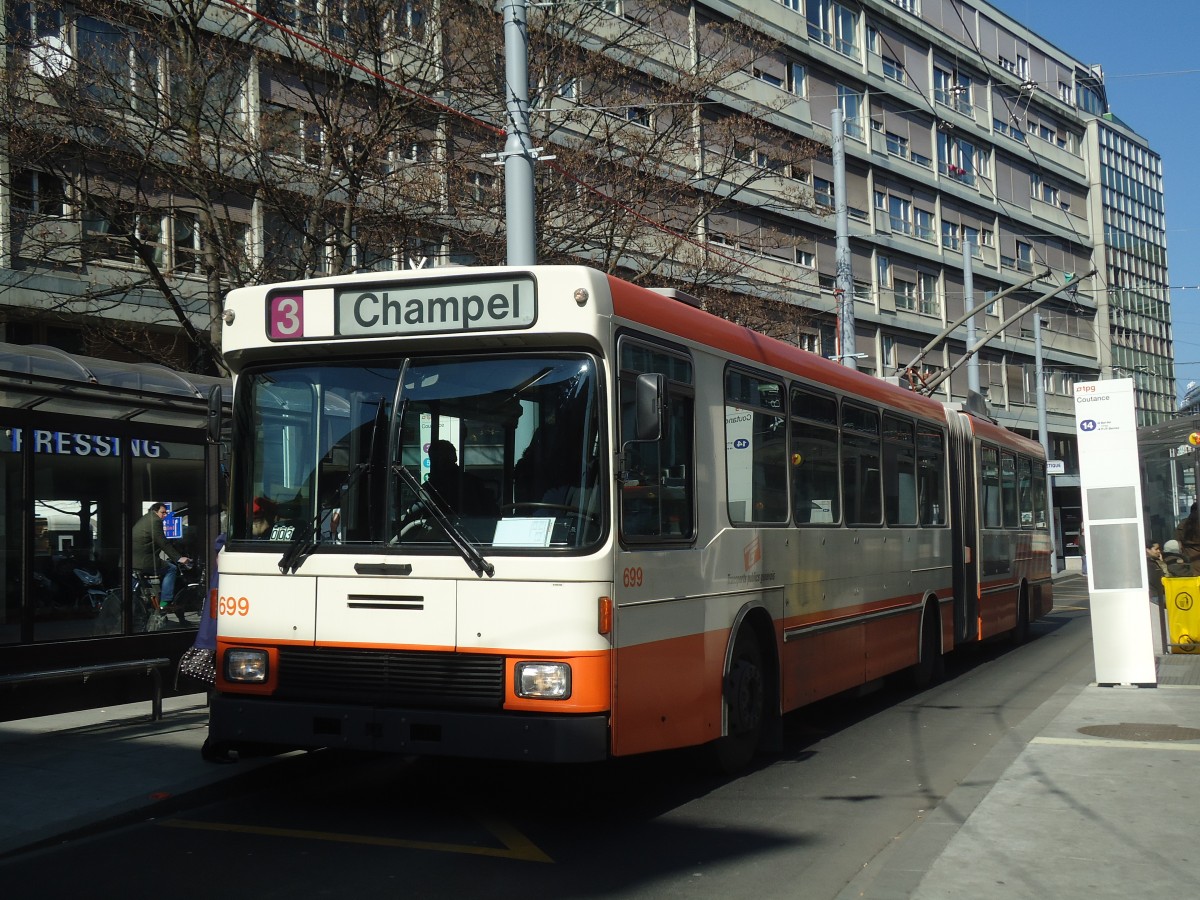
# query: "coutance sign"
[[1056, 467]]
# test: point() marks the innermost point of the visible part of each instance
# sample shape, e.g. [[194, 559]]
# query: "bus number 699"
[[234, 606], [632, 577]]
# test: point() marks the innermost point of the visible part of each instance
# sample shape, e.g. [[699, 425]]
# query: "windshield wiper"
[[304, 542], [469, 552], [308, 537]]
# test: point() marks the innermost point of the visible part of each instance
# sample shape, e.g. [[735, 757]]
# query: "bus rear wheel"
[[930, 666], [1020, 632], [744, 696]]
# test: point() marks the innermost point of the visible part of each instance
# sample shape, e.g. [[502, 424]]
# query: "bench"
[[99, 670]]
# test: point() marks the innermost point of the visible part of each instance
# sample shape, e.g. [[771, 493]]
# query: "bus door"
[[963, 528]]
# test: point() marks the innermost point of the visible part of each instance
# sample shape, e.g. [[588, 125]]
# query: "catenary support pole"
[[1043, 434], [844, 280], [518, 154], [969, 302]]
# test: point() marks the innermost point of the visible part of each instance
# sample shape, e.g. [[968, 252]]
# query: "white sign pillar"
[[1111, 487]]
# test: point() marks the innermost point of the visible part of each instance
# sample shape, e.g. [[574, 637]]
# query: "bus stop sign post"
[[1111, 489]]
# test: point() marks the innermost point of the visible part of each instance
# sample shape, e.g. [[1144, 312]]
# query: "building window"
[[906, 295], [900, 214], [480, 186], [950, 236], [797, 79], [897, 145], [822, 192], [1040, 190], [113, 231], [834, 25], [953, 89], [1025, 255], [959, 159], [883, 271], [971, 236], [185, 242], [893, 69], [638, 115], [923, 224], [850, 102], [928, 303], [567, 88], [38, 194], [763, 75], [292, 132]]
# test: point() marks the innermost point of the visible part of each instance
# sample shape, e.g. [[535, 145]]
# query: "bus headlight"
[[246, 666], [543, 680]]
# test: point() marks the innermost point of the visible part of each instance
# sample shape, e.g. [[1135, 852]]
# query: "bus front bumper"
[[237, 721]]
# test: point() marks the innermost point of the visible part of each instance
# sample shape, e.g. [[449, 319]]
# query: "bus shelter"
[[87, 446], [1170, 463]]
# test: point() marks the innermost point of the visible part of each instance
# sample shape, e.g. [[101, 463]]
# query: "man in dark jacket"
[[149, 539]]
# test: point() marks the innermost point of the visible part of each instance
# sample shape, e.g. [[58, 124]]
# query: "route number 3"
[[632, 577], [286, 317]]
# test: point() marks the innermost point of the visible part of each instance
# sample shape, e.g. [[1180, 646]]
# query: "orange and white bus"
[[542, 513]]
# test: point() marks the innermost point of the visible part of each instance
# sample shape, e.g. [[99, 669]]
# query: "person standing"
[[149, 539], [1188, 536], [1156, 571]]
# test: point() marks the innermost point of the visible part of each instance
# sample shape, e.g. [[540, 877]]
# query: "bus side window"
[[861, 484], [1025, 490], [756, 471], [900, 469], [931, 476], [1008, 488], [657, 499], [816, 485]]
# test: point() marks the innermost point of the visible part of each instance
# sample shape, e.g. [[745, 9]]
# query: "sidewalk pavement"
[[1093, 795]]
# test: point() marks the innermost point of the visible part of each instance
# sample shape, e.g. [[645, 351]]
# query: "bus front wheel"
[[744, 696]]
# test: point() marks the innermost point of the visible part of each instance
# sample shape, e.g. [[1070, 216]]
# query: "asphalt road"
[[856, 774]]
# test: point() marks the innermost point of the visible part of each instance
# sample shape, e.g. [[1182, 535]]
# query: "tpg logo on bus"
[[433, 308]]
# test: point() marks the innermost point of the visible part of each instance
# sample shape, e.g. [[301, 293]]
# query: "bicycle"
[[146, 613]]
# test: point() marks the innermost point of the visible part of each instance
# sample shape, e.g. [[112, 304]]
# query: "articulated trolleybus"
[[544, 514]]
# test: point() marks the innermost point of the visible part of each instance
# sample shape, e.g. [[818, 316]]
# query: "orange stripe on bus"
[[826, 616], [668, 693]]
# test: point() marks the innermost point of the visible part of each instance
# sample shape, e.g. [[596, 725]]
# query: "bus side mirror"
[[214, 415], [650, 399]]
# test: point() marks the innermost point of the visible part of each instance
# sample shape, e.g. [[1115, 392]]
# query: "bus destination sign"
[[435, 308]]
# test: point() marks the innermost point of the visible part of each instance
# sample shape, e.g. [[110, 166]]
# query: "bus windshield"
[[506, 451]]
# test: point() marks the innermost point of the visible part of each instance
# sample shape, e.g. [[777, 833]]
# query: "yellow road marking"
[[516, 845]]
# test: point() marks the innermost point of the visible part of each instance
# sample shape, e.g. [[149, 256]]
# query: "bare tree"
[[162, 153]]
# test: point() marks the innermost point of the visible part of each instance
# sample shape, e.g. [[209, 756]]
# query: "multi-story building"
[[965, 133], [1127, 199]]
